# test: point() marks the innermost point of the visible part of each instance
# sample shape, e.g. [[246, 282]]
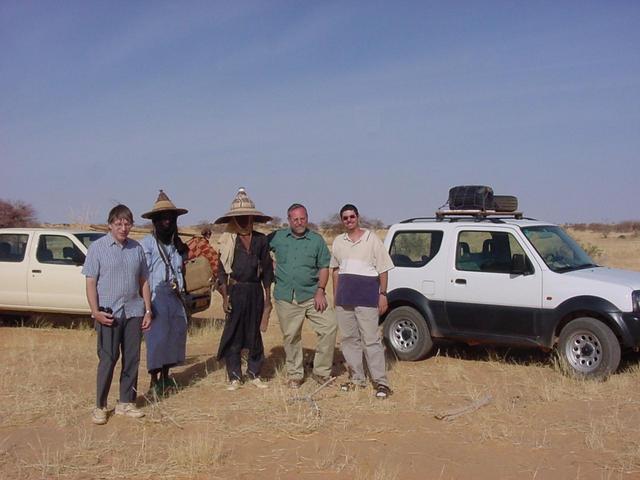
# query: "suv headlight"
[[635, 300]]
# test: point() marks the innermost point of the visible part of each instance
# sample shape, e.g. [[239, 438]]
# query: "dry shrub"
[[16, 214]]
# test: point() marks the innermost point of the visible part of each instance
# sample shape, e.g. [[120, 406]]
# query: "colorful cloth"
[[200, 247]]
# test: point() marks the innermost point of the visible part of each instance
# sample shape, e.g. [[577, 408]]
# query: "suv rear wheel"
[[588, 348], [408, 333]]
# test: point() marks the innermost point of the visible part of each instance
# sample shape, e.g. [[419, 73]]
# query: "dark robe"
[[250, 271]]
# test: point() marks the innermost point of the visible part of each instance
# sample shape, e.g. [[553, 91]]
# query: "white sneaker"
[[99, 416], [256, 382], [233, 385], [128, 410]]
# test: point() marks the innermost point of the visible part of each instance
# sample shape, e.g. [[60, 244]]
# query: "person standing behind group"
[[359, 264], [245, 275], [199, 246], [166, 340], [301, 276], [116, 272]]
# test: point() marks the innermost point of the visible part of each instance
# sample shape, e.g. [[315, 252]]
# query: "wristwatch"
[[384, 294]]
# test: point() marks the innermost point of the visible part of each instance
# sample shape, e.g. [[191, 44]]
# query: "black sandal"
[[382, 391]]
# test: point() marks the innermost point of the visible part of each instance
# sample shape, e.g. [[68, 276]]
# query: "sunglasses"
[[348, 217]]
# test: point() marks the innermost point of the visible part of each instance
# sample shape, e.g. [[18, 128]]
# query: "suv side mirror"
[[519, 264]]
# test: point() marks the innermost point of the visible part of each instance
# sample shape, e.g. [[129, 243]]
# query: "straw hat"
[[163, 204], [242, 206]]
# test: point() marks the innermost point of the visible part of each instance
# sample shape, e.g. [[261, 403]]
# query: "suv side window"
[[13, 247], [415, 249], [58, 250], [486, 251]]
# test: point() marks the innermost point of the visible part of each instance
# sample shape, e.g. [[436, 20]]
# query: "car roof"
[[47, 230], [447, 222]]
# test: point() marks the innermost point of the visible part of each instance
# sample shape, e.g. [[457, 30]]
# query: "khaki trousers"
[[291, 316], [360, 334]]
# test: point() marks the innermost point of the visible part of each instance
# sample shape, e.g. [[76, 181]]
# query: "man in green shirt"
[[302, 272]]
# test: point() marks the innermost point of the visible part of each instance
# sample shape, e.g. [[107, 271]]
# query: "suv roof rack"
[[478, 214]]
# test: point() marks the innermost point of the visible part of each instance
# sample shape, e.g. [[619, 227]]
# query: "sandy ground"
[[537, 424]]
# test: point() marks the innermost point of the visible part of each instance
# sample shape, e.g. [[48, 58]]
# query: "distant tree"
[[333, 223], [16, 214], [202, 224], [374, 223], [275, 222]]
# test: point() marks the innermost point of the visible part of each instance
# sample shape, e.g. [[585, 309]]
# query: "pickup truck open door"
[[55, 261]]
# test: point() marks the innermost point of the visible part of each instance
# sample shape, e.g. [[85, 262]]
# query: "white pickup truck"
[[41, 270]]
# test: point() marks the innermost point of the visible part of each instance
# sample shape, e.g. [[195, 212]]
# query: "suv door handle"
[[460, 281], [36, 271]]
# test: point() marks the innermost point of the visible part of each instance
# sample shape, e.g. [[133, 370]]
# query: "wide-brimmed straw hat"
[[163, 204], [243, 206]]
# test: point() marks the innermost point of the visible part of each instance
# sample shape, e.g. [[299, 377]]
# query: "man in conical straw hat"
[[167, 338], [245, 273]]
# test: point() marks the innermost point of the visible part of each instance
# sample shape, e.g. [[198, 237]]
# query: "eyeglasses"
[[125, 225], [348, 217]]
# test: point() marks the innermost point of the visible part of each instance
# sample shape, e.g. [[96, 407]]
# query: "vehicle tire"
[[505, 203], [407, 333], [588, 348]]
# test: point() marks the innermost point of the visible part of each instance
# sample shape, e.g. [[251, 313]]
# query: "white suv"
[[501, 279]]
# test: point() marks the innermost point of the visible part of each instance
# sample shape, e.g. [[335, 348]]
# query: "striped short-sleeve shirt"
[[118, 270], [360, 264]]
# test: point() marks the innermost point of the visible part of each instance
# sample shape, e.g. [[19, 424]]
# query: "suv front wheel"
[[408, 333], [588, 348]]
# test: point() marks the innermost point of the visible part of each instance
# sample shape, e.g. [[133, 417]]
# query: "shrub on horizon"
[[16, 214]]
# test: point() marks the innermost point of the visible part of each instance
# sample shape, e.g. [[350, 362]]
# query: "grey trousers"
[[360, 334], [122, 338]]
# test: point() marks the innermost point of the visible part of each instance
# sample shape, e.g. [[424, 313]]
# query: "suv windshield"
[[559, 251], [88, 238]]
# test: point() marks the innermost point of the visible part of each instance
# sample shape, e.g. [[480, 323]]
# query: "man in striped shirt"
[[116, 273], [359, 264]]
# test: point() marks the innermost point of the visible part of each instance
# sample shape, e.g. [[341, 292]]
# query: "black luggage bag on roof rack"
[[471, 197]]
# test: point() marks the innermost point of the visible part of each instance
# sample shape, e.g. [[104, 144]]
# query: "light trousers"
[[291, 316], [361, 335]]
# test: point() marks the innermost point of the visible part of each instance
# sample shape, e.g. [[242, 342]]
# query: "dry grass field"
[[539, 424]]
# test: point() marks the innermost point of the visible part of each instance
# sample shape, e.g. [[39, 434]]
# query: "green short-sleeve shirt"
[[298, 261]]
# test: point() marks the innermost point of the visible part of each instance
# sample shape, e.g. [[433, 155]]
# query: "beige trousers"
[[291, 316]]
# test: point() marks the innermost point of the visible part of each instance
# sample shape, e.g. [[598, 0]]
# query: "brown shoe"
[[295, 383], [321, 380], [351, 386]]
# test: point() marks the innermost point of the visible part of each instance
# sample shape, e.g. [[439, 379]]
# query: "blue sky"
[[382, 104]]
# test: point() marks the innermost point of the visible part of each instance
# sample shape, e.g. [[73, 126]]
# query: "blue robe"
[[167, 339]]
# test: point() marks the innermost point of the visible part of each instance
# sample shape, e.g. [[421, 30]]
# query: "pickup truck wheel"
[[408, 333], [588, 348]]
